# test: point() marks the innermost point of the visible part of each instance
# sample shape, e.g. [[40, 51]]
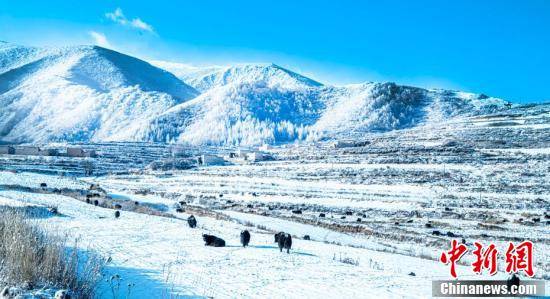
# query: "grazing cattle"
[[343, 217], [284, 240], [428, 225], [436, 233], [117, 214], [451, 234], [43, 185], [180, 210], [136, 203], [536, 220], [297, 212], [88, 200], [277, 235], [192, 221], [117, 206], [322, 215], [245, 238], [410, 221], [288, 242], [96, 202], [512, 281], [214, 241], [349, 213], [249, 206], [307, 237]]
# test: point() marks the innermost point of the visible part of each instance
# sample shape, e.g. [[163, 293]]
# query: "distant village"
[[240, 156], [237, 156], [37, 151]]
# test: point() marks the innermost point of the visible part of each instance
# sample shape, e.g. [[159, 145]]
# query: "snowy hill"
[[383, 107], [256, 113], [206, 78], [89, 93], [240, 114], [81, 93]]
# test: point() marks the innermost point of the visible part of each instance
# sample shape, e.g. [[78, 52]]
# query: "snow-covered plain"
[[484, 182]]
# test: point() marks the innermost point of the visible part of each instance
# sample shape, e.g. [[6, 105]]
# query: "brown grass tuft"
[[32, 258]]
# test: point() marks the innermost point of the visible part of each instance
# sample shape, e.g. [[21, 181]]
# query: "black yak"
[[245, 238], [117, 214], [512, 281], [192, 221], [284, 240], [214, 241], [277, 236]]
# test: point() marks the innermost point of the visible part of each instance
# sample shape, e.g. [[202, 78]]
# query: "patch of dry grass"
[[32, 258]]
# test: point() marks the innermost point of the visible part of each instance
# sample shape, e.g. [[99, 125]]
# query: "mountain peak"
[[206, 78]]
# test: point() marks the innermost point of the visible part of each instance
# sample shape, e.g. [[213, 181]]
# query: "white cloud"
[[138, 23], [118, 16], [100, 39]]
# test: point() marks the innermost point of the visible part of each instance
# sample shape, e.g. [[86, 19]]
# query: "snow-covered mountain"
[[240, 114], [206, 78], [89, 93], [81, 93], [255, 113]]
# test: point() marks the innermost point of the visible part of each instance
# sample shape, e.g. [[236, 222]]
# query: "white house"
[[210, 160]]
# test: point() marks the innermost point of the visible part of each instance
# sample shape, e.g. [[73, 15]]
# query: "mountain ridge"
[[89, 93]]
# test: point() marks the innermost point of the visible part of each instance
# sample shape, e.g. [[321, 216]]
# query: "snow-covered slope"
[[255, 113], [81, 93], [89, 93], [383, 107], [240, 114], [206, 78]]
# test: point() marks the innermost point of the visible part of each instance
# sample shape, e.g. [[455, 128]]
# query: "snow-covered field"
[[158, 256], [383, 200]]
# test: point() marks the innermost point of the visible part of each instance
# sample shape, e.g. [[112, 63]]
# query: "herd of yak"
[[283, 239]]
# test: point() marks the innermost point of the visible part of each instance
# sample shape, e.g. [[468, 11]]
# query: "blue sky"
[[500, 48]]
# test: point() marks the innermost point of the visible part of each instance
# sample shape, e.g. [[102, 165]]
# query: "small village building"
[[27, 151], [255, 156], [48, 152], [246, 156], [210, 160], [7, 150], [75, 152]]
